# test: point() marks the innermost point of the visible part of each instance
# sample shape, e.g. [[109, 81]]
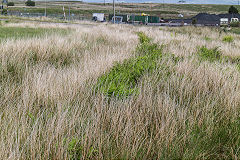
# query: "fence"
[[56, 16]]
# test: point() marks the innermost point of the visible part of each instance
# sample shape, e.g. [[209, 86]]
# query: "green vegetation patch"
[[235, 30], [214, 54], [11, 72], [25, 32], [211, 55], [123, 78], [228, 39], [207, 38], [216, 143], [76, 150], [220, 143]]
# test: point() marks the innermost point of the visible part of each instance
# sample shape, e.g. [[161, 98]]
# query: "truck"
[[137, 19]]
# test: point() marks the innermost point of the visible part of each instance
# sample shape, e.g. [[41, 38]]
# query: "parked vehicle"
[[223, 21], [98, 17], [139, 19], [153, 19], [234, 20], [118, 19], [124, 16]]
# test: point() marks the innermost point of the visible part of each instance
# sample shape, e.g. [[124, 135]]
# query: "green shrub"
[[209, 54], [30, 3], [214, 54], [123, 78], [238, 67], [233, 10], [235, 30], [207, 38], [194, 21], [143, 38], [4, 11], [228, 39], [234, 24], [10, 4], [76, 150]]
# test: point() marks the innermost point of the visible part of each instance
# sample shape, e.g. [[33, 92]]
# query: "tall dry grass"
[[187, 109]]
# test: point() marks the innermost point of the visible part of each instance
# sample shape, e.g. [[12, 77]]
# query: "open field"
[[120, 92], [20, 33], [86, 9]]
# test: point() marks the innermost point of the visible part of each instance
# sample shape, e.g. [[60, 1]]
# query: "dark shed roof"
[[211, 19], [229, 16], [204, 18]]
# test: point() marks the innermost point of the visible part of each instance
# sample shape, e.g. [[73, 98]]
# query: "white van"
[[223, 21], [98, 17], [234, 20]]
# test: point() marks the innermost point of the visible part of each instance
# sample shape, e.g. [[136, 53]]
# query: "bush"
[[228, 39], [207, 38], [233, 10], [30, 3], [10, 4], [76, 150], [194, 21], [4, 11], [209, 54], [234, 24], [143, 38]]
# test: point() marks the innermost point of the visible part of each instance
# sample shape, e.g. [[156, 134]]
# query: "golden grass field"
[[187, 108]]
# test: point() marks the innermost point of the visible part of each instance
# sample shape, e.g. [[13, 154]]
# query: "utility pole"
[[69, 12], [7, 6], [114, 14], [45, 14], [64, 14], [2, 7]]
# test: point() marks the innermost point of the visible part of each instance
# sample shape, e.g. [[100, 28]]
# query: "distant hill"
[[230, 2]]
